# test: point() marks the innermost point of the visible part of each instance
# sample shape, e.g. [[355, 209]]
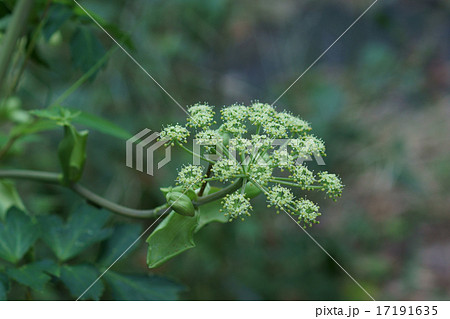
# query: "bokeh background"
[[379, 99]]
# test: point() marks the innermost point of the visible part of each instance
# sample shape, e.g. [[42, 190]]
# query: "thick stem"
[[92, 198], [217, 195], [205, 182], [13, 32]]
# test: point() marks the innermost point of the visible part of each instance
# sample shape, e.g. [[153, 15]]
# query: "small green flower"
[[307, 211], [210, 138], [302, 175], [331, 184], [307, 145], [261, 142], [283, 158], [233, 119], [260, 172], [175, 133], [226, 169], [260, 113], [275, 128], [294, 123], [280, 197], [190, 176], [201, 115], [240, 144], [236, 205]]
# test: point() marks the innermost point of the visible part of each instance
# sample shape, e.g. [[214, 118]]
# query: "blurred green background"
[[379, 99]]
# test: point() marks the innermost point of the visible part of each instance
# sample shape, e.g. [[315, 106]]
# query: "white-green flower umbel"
[[252, 160], [174, 133], [236, 205], [201, 115], [190, 176]]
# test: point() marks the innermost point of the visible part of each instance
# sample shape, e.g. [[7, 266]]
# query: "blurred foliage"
[[379, 99]]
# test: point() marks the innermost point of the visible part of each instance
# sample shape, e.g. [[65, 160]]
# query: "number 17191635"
[[407, 310]]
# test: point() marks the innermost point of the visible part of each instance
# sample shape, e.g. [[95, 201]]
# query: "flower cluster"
[[226, 169], [253, 159], [174, 133], [331, 184], [190, 176], [236, 205], [201, 115]]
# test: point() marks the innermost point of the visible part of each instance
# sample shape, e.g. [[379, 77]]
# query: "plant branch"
[[276, 180], [205, 182], [217, 195], [13, 32], [92, 198], [192, 153]]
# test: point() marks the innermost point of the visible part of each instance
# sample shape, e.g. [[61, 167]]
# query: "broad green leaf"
[[141, 287], [9, 198], [86, 48], [174, 235], [211, 212], [35, 275], [83, 228], [17, 234], [78, 278], [122, 238], [4, 287], [101, 125], [72, 154]]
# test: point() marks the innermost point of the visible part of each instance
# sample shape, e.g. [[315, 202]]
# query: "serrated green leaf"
[[17, 234], [78, 278], [9, 198], [122, 238], [101, 125], [174, 235], [83, 228], [72, 154], [35, 275], [4, 287], [86, 48], [141, 287], [211, 212]]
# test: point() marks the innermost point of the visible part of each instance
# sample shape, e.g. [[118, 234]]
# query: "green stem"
[[192, 153], [29, 51], [210, 179], [217, 195], [275, 180], [92, 198], [83, 78], [13, 32]]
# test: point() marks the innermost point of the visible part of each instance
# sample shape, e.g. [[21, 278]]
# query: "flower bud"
[[180, 203], [251, 190]]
